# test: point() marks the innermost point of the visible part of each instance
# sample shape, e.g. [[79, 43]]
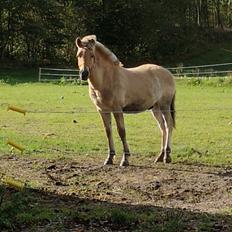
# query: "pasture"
[[67, 187]]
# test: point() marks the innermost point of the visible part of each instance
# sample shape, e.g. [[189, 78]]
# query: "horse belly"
[[135, 107], [140, 99]]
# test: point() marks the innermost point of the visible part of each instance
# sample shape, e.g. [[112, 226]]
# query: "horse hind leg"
[[122, 133], [164, 121], [159, 118], [169, 124]]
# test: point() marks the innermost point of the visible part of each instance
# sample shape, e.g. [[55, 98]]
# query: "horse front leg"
[[122, 133], [106, 118]]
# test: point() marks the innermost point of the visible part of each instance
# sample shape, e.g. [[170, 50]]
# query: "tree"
[[32, 31]]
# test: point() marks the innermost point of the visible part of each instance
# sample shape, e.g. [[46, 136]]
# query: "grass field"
[[203, 133], [59, 184]]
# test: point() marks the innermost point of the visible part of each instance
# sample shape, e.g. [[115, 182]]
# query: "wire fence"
[[79, 113], [209, 70], [57, 74], [82, 110], [201, 66]]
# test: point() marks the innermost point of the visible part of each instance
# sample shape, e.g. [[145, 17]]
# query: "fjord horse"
[[117, 90]]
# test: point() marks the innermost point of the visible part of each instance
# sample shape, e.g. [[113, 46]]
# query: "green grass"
[[203, 133], [37, 211], [16, 76]]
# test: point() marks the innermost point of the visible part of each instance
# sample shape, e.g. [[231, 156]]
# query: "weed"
[[123, 217], [195, 81]]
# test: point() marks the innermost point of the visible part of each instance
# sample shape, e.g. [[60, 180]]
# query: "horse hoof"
[[108, 162], [160, 158], [124, 163], [167, 160]]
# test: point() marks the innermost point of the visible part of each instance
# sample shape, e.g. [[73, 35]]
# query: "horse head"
[[85, 55]]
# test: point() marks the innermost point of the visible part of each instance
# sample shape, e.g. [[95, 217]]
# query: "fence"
[[83, 113], [211, 70], [56, 74]]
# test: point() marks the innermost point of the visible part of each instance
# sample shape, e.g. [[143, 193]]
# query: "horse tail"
[[173, 110]]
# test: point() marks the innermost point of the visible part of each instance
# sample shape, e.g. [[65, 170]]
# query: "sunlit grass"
[[203, 134]]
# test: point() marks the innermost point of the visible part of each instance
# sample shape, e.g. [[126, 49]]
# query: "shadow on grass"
[[18, 76], [30, 209]]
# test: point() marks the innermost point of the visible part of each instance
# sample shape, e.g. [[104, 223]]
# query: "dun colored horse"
[[117, 90]]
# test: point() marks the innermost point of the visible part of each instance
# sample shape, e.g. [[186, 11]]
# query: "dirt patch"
[[195, 188]]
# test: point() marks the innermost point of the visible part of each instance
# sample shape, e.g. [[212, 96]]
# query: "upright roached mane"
[[108, 53], [117, 90], [101, 48]]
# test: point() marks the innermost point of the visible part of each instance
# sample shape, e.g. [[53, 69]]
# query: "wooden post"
[[39, 74]]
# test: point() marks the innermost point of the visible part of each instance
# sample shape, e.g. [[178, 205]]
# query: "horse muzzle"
[[84, 74]]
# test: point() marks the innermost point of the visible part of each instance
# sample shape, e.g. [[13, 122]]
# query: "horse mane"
[[107, 53]]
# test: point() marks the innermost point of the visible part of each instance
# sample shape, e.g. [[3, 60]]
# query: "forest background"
[[42, 32]]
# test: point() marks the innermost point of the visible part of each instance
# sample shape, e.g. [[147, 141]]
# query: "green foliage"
[[16, 76], [138, 31]]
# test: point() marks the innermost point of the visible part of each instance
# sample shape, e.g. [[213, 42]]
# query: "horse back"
[[148, 83], [134, 89]]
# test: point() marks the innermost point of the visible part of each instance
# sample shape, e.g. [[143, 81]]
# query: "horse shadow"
[[30, 209]]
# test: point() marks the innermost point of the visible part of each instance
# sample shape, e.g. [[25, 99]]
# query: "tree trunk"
[[205, 13], [198, 12], [218, 10]]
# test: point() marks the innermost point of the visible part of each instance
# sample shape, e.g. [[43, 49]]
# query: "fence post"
[[39, 74]]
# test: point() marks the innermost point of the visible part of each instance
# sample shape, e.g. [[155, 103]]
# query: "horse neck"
[[102, 74]]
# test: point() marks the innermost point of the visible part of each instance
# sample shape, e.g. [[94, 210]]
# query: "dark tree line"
[[42, 32]]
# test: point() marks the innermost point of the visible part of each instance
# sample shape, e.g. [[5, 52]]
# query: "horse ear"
[[94, 37], [79, 43], [92, 42]]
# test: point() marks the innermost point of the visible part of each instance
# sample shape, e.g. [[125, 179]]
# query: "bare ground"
[[195, 188]]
